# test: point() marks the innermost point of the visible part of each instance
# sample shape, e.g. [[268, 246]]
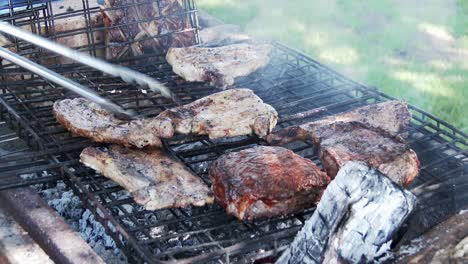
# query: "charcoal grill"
[[292, 83]]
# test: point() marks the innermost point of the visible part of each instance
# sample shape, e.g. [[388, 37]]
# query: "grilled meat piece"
[[365, 134], [85, 118], [154, 180], [229, 113], [265, 182], [354, 141], [151, 27], [219, 65]]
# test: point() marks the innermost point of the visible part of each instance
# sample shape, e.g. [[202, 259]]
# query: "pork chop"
[[218, 65], [265, 182], [230, 113], [87, 119], [153, 179]]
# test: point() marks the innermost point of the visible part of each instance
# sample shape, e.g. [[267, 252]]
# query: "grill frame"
[[292, 83]]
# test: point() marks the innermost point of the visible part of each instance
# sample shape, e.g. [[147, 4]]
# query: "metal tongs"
[[128, 75]]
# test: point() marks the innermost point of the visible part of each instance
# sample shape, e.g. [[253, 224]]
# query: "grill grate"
[[291, 83]]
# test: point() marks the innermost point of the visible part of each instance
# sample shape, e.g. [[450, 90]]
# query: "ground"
[[414, 50]]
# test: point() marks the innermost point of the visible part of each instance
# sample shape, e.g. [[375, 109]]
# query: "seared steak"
[[154, 180], [219, 65], [229, 113], [87, 119], [149, 26], [365, 134], [265, 182]]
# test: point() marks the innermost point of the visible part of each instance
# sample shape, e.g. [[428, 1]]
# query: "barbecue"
[[265, 182], [236, 112], [85, 118], [154, 180], [33, 143], [219, 65]]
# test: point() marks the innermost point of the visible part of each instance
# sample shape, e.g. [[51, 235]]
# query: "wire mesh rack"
[[292, 83]]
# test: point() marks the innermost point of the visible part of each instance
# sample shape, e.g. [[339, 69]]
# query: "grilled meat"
[[265, 182], [229, 113], [151, 27], [87, 119], [365, 134], [154, 180], [218, 65]]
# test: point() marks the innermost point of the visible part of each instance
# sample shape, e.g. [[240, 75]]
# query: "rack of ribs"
[[88, 119], [218, 65], [367, 134], [154, 180], [266, 181]]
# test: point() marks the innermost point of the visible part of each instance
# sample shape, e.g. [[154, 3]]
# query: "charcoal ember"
[[150, 26], [355, 220]]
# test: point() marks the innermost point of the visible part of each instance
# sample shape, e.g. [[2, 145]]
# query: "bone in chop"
[[85, 118], [219, 65], [266, 182], [230, 113], [365, 134], [154, 180]]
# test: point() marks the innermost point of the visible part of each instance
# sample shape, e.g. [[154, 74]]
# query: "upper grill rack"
[[291, 83]]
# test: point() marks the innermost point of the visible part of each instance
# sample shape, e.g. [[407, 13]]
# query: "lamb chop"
[[154, 180], [152, 27], [265, 182], [365, 134], [219, 65], [85, 118], [229, 113]]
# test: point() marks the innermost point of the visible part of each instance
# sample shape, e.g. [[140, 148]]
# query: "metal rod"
[[126, 74], [64, 82]]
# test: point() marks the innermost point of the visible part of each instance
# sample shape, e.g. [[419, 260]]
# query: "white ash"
[[69, 206]]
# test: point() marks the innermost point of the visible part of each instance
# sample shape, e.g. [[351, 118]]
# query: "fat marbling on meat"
[[218, 65], [266, 181], [155, 180]]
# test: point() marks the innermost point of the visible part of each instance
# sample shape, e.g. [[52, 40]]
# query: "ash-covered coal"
[[69, 206]]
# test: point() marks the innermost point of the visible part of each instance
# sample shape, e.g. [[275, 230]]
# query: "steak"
[[150, 27], [218, 65], [230, 113], [152, 178], [265, 181], [87, 119], [367, 134]]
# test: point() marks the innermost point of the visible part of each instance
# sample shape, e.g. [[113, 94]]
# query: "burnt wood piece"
[[47, 228], [442, 244], [265, 182], [354, 222]]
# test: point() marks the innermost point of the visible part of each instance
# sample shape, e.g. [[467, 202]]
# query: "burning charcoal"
[[355, 220]]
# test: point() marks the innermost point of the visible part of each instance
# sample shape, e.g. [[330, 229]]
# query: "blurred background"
[[414, 50]]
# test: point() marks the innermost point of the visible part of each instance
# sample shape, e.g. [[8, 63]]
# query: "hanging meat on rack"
[[135, 28]]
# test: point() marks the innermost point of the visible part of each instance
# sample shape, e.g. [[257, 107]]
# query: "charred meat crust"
[[265, 181]]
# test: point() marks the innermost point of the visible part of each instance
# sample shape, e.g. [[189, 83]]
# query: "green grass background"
[[416, 51]]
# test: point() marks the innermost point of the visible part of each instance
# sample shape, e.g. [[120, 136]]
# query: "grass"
[[415, 51]]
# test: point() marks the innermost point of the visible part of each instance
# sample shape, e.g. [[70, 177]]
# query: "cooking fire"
[[223, 148]]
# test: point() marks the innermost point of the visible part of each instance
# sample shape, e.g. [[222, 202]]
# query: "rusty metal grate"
[[291, 83]]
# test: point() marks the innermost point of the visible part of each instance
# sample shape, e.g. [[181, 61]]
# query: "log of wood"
[[445, 243], [354, 222]]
